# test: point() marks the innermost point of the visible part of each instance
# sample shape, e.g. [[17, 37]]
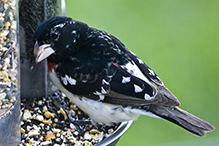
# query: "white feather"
[[137, 88], [60, 25], [148, 97], [151, 72], [103, 91], [70, 80], [126, 79], [140, 61], [64, 80], [100, 95]]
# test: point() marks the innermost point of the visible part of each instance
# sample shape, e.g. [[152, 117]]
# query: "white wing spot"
[[64, 80], [60, 25], [70, 80], [140, 61], [103, 91], [137, 88], [148, 97], [133, 53], [151, 72], [74, 32], [126, 79], [108, 37], [105, 82], [99, 94], [101, 97], [129, 68], [157, 77], [67, 46]]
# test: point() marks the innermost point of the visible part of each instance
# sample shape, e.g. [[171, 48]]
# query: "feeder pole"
[[34, 80]]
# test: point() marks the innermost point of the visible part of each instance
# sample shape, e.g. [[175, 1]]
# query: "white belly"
[[101, 112], [98, 111]]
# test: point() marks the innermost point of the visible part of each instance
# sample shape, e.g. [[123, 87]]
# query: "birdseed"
[[48, 121], [8, 57]]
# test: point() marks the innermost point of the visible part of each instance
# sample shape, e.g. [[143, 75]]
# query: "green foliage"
[[178, 39]]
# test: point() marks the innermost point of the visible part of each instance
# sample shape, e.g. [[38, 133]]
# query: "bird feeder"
[[9, 74]]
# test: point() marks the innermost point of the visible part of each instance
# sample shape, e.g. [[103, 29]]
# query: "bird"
[[103, 78]]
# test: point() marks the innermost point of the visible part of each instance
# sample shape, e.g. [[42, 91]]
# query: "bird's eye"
[[54, 35]]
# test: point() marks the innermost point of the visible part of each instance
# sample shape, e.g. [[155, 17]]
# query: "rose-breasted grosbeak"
[[103, 78]]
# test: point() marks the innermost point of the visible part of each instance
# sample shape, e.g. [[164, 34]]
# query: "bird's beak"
[[42, 52]]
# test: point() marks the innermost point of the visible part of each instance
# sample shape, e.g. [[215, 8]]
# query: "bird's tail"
[[182, 118]]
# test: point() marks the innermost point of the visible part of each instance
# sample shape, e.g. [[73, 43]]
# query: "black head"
[[61, 34]]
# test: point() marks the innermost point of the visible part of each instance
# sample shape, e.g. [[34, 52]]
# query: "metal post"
[[33, 77]]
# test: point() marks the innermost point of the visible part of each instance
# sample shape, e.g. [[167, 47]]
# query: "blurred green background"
[[179, 40]]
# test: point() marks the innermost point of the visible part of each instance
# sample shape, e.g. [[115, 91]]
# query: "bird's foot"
[[78, 123]]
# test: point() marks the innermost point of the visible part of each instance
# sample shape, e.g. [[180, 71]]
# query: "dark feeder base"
[[114, 138], [10, 125]]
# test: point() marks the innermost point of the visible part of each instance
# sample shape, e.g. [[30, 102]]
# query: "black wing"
[[118, 86]]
